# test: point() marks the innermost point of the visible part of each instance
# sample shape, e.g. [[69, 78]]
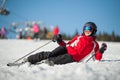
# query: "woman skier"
[[79, 49]]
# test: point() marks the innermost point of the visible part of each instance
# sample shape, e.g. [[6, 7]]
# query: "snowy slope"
[[11, 50]]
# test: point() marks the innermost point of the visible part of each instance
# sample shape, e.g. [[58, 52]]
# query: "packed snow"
[[11, 50]]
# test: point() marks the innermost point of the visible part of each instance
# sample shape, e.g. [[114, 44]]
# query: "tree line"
[[108, 37], [100, 36]]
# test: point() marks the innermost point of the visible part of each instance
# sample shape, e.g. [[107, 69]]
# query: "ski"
[[50, 63], [15, 64]]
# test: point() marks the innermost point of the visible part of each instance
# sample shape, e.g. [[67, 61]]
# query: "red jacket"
[[36, 28], [56, 30], [81, 46]]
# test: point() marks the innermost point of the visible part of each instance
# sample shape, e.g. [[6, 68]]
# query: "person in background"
[[55, 31], [36, 31], [78, 49], [21, 34], [3, 33], [45, 31]]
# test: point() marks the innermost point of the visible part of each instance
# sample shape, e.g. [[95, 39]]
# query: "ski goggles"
[[87, 28]]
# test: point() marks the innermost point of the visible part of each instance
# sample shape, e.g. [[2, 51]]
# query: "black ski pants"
[[58, 56]]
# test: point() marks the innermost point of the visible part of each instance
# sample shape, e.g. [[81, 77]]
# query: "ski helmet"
[[93, 28]]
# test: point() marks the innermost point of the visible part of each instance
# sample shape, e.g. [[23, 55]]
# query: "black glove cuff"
[[59, 40], [102, 50]]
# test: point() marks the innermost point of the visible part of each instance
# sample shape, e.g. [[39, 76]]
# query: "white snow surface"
[[11, 50]]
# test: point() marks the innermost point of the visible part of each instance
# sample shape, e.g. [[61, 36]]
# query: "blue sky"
[[69, 15]]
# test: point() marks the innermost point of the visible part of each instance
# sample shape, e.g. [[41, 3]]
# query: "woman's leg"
[[38, 57], [62, 59], [44, 55], [58, 51]]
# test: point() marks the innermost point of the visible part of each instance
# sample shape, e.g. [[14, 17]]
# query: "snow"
[[11, 50]]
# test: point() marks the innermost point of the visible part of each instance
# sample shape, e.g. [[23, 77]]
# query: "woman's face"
[[88, 30], [87, 33]]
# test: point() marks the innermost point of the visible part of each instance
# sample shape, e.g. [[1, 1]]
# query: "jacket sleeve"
[[62, 43], [73, 39], [98, 54]]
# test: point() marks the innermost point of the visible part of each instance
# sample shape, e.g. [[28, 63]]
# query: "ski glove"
[[57, 38], [103, 48]]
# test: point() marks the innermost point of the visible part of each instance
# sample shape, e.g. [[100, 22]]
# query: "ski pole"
[[32, 51], [90, 58]]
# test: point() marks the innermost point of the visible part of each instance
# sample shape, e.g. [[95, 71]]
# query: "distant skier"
[[79, 49], [55, 32], [3, 33], [36, 30]]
